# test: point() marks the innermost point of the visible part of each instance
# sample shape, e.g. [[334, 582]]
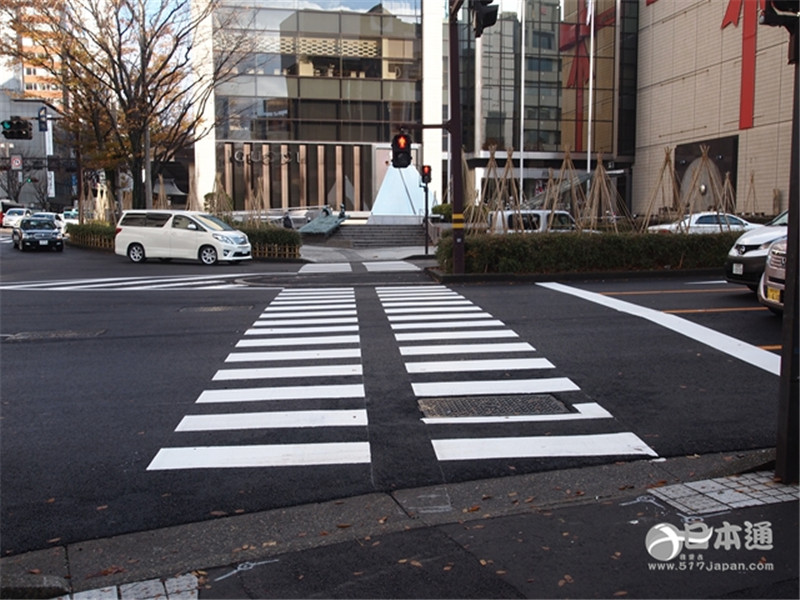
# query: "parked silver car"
[[773, 281], [747, 256]]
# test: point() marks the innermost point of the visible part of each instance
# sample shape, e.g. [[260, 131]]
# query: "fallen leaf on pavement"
[[416, 563], [35, 571], [112, 570], [343, 525]]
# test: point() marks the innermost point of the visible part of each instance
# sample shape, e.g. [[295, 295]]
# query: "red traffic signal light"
[[426, 173], [401, 151]]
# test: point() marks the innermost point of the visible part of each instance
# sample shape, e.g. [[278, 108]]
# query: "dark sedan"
[[35, 233]]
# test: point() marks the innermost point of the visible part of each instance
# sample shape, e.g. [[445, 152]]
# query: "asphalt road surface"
[[142, 396]]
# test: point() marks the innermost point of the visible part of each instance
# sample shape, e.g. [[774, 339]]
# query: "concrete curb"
[[181, 549]]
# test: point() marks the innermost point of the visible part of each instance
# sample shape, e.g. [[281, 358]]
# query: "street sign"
[[16, 162]]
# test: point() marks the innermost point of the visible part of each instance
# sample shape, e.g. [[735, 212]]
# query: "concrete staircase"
[[371, 236]]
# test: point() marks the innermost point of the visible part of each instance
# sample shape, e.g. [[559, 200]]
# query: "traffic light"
[[426, 174], [401, 151], [483, 15], [17, 128]]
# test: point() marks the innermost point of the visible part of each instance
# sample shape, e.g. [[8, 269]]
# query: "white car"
[[58, 218], [772, 286], [745, 261], [705, 222], [530, 221], [190, 235], [14, 215]]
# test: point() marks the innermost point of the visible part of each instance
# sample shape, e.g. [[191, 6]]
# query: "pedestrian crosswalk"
[[296, 380], [304, 327], [419, 316]]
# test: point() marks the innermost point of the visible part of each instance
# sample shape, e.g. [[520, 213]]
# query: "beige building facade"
[[710, 75]]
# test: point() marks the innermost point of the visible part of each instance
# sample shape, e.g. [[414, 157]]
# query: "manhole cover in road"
[[492, 406]]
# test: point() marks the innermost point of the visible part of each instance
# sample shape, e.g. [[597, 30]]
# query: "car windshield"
[[29, 224], [781, 219], [213, 223], [14, 212]]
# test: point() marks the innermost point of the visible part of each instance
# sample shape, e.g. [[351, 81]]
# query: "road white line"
[[463, 366], [603, 444], [394, 289], [292, 330], [283, 455], [466, 348], [430, 310], [586, 410], [280, 322], [309, 307], [268, 394], [322, 303], [543, 385], [326, 268], [390, 266], [274, 420], [455, 335], [426, 317], [289, 372], [467, 323], [294, 355], [427, 303], [310, 314], [298, 341], [743, 351]]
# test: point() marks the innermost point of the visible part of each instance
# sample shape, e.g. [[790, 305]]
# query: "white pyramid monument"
[[400, 200]]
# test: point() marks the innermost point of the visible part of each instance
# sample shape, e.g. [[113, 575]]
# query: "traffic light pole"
[[456, 143], [786, 451], [784, 13]]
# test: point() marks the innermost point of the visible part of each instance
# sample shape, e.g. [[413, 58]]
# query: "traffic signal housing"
[[401, 151], [484, 15], [426, 174], [17, 128]]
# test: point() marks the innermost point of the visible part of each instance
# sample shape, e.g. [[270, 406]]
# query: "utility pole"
[[784, 13]]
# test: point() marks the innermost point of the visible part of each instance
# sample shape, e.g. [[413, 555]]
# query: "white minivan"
[[190, 235]]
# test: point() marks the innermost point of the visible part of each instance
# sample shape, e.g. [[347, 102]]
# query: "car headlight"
[[220, 237]]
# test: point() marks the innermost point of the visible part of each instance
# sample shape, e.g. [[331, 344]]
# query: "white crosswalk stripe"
[[414, 326]]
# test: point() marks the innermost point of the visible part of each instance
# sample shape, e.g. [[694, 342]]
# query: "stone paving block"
[[183, 583], [106, 593], [705, 486], [672, 491], [152, 589]]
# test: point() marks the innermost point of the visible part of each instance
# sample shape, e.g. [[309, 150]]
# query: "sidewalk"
[[572, 533]]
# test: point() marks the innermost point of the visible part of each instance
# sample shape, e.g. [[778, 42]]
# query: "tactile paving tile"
[[722, 493]]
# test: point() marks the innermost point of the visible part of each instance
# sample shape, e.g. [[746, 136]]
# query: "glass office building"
[[547, 82], [309, 116], [322, 85]]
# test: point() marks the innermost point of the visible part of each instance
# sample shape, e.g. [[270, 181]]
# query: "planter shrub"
[[584, 252]]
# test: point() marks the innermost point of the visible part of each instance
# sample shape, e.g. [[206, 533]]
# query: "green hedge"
[[267, 241], [584, 252]]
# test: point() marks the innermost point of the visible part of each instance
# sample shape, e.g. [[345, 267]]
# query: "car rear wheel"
[[208, 255], [136, 253]]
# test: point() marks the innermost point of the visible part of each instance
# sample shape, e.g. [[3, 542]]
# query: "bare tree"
[[129, 68]]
